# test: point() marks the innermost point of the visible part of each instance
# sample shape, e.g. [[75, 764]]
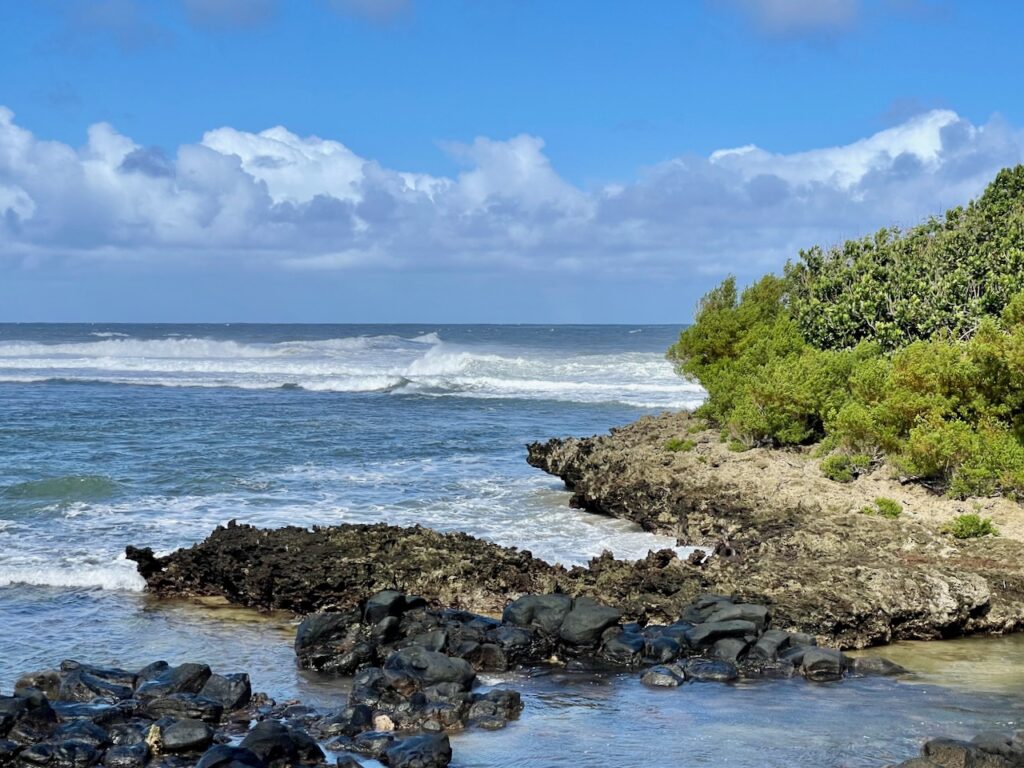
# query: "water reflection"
[[573, 719]]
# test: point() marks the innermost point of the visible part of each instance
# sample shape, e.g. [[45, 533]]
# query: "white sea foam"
[[422, 365], [121, 577]]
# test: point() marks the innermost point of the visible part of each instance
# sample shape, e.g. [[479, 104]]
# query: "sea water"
[[154, 434]]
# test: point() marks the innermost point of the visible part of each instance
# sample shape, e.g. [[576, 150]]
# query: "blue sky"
[[458, 160]]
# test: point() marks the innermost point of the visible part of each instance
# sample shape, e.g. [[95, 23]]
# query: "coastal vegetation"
[[884, 507], [904, 347], [970, 526]]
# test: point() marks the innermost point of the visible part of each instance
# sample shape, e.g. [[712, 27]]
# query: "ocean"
[[152, 435]]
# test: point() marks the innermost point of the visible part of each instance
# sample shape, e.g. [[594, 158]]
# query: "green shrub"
[[676, 445], [902, 346], [970, 526], [884, 507], [895, 288], [844, 468]]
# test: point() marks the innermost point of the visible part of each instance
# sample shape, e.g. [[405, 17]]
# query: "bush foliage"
[[884, 507], [908, 347], [970, 526]]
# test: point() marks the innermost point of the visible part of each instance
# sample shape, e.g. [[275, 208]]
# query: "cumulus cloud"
[[275, 198]]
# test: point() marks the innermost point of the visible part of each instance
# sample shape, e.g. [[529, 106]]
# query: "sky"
[[474, 160]]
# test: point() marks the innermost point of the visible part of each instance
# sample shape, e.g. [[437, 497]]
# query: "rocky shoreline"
[[788, 536], [412, 616]]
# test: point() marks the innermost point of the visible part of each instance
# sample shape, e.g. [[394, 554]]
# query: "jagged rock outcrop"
[[302, 570], [789, 537]]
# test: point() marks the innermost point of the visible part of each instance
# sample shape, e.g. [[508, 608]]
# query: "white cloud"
[[798, 17], [304, 202]]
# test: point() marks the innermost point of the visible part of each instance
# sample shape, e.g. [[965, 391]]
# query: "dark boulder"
[[731, 649], [710, 670], [185, 735], [875, 666], [624, 649], [543, 612], [128, 733], [373, 743], [769, 645], [707, 634], [35, 725], [278, 745], [71, 754], [230, 691], [416, 668], [84, 731], [822, 664], [184, 705], [333, 642], [186, 678], [382, 605], [661, 649], [586, 622], [426, 751], [663, 677], [758, 615], [81, 685], [126, 756], [225, 756]]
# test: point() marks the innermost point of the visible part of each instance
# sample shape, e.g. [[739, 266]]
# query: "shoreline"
[[789, 536]]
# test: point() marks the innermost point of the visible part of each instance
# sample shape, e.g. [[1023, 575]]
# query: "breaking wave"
[[423, 365]]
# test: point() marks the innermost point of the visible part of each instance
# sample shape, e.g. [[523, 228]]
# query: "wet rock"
[[875, 666], [184, 705], [277, 745], [624, 649], [585, 623], [707, 634], [46, 681], [426, 751], [661, 649], [225, 756], [769, 644], [33, 726], [995, 743], [822, 664], [413, 668], [758, 615], [730, 649], [185, 735], [82, 731], [80, 685], [663, 677], [127, 733], [230, 691], [126, 756], [70, 754], [332, 642], [187, 678], [373, 743], [710, 670], [8, 751], [543, 612], [950, 753]]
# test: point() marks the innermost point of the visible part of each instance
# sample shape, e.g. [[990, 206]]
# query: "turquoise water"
[[153, 435]]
